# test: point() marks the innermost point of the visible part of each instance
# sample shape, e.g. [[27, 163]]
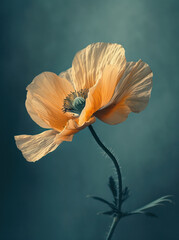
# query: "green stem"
[[116, 218], [113, 160], [112, 228]]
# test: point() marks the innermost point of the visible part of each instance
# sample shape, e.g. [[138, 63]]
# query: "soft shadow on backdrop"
[[46, 200]]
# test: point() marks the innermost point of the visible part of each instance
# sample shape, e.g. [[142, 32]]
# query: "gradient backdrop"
[[47, 200]]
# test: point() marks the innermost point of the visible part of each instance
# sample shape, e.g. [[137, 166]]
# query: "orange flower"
[[99, 84]]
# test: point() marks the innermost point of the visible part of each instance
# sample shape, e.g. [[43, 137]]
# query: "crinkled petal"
[[34, 147], [114, 114], [71, 128], [101, 93], [31, 109], [132, 94], [45, 98], [67, 75], [89, 63]]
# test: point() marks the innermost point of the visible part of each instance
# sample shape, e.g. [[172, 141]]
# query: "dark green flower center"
[[78, 104], [75, 101]]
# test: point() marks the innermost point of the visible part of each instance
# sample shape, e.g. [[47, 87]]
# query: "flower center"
[[75, 101], [79, 104]]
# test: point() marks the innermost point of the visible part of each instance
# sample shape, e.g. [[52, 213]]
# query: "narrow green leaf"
[[149, 214], [157, 202], [113, 188], [125, 194], [111, 205], [106, 213]]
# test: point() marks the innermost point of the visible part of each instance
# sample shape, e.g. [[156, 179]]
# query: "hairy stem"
[[112, 228], [116, 218]]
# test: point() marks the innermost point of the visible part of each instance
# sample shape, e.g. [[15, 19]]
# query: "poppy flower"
[[100, 84]]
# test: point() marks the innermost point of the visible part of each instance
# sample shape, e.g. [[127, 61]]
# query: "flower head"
[[99, 84]]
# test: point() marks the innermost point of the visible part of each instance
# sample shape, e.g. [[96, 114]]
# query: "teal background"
[[47, 200]]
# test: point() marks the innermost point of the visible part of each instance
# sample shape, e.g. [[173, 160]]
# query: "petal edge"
[[34, 147]]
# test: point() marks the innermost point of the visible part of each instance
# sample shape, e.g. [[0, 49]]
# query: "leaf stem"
[[119, 203]]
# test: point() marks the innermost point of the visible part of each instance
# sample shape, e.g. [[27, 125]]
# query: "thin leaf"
[[103, 200], [125, 194], [157, 202], [106, 213], [113, 188], [149, 214]]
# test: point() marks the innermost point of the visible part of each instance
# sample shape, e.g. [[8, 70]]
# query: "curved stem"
[[113, 160], [116, 218]]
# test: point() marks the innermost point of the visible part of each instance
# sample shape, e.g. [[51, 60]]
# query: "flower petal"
[[68, 75], [35, 147], [45, 100], [114, 114], [131, 94], [71, 128], [33, 113], [101, 93], [91, 61]]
